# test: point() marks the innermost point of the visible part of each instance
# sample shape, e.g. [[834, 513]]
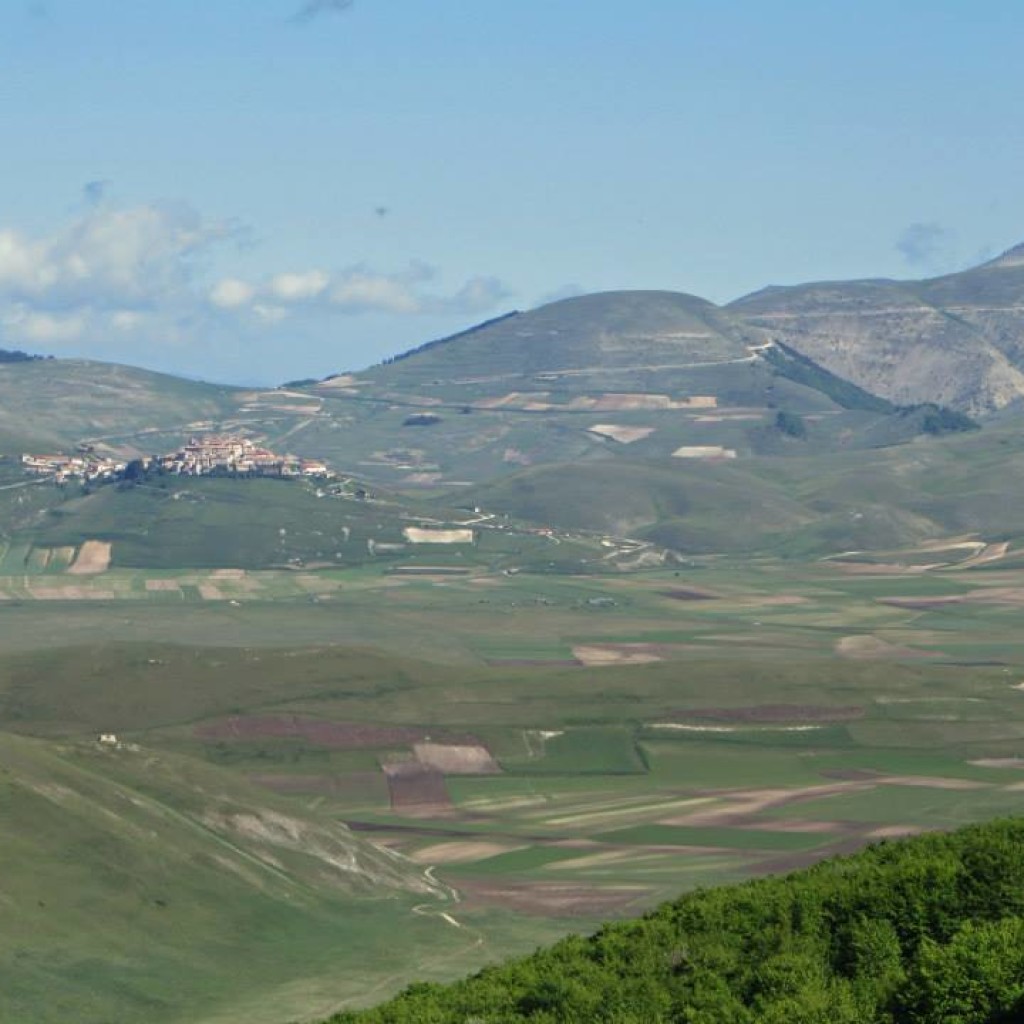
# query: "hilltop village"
[[208, 455]]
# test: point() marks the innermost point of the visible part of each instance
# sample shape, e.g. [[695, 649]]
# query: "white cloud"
[[115, 278], [477, 295], [126, 319], [108, 257], [296, 287], [43, 328], [230, 293], [357, 290]]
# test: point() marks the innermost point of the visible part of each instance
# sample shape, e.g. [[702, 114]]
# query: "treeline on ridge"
[[15, 355], [921, 931]]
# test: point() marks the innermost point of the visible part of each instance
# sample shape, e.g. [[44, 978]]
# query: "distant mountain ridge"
[[957, 339]]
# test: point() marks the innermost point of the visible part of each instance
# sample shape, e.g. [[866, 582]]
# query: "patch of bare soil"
[[743, 803], [873, 648], [624, 435], [998, 762], [460, 852], [550, 899], [603, 655], [456, 759], [881, 568], [930, 782], [704, 451], [342, 380], [93, 557], [415, 788], [990, 553], [895, 831], [426, 535]]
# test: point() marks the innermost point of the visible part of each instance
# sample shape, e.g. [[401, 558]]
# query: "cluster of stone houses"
[[206, 455], [220, 453], [74, 467]]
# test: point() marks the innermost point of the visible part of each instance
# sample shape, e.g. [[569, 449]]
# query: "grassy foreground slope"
[[137, 885], [929, 930]]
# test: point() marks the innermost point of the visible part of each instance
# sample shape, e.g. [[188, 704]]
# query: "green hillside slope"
[[607, 330], [150, 887], [805, 505], [59, 402]]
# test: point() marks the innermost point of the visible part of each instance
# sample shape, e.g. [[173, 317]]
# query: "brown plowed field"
[[415, 787], [689, 594]]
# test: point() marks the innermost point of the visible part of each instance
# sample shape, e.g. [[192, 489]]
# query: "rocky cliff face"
[[957, 339]]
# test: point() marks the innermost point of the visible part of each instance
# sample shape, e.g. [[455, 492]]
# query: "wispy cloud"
[[316, 8], [926, 245], [359, 289], [109, 257]]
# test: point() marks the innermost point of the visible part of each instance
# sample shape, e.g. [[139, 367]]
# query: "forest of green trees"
[[925, 931]]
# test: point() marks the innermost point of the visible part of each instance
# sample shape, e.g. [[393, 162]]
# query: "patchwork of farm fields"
[[553, 750], [962, 611]]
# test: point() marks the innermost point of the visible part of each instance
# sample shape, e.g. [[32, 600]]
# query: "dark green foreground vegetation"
[[928, 930]]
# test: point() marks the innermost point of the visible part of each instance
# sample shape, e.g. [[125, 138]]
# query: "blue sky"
[[257, 190]]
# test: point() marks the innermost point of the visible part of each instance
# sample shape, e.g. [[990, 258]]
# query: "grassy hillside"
[[60, 402], [805, 505], [716, 507], [634, 374], [170, 522], [146, 886], [929, 930], [609, 330]]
